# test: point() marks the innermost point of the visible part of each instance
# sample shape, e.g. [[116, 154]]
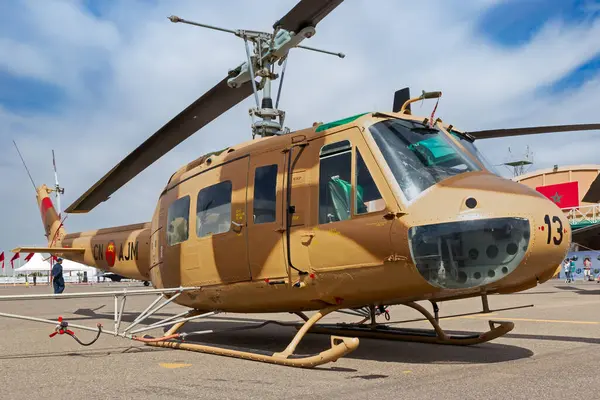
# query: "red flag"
[[2, 259], [564, 195], [13, 259], [28, 257]]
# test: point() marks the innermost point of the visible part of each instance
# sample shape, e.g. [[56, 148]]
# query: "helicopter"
[[377, 209]]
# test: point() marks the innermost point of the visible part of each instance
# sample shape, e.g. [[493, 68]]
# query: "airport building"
[[576, 190]]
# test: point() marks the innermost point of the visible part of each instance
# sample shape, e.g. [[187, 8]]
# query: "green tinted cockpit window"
[[438, 149], [339, 122], [419, 156]]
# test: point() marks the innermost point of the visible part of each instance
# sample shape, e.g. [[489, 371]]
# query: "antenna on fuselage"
[[25, 165]]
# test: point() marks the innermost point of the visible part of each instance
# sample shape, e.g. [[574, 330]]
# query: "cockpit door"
[[350, 224]]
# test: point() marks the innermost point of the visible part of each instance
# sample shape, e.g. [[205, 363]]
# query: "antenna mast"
[[25, 165], [268, 49]]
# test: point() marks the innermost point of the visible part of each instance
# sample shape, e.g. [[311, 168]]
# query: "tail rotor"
[[57, 189]]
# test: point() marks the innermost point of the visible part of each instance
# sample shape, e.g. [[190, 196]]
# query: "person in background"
[[567, 270], [57, 277], [572, 269], [587, 269]]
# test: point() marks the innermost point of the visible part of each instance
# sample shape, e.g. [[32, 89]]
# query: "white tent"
[[37, 263]]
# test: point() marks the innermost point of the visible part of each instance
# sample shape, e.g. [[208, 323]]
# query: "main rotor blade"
[[306, 13], [208, 107], [498, 133]]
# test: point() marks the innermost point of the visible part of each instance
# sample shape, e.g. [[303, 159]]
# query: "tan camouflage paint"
[[361, 261]]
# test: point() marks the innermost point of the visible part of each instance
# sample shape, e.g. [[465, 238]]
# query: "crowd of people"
[[569, 269]]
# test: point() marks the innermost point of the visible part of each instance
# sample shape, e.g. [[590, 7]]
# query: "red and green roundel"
[[111, 253]]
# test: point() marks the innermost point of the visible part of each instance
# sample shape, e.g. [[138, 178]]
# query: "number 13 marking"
[[555, 220]]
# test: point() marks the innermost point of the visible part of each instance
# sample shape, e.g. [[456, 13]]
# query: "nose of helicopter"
[[488, 232]]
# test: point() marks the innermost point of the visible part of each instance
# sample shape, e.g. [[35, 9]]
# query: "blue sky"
[[92, 79], [515, 23], [510, 24]]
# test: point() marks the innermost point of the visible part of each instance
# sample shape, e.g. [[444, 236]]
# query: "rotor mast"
[[268, 50]]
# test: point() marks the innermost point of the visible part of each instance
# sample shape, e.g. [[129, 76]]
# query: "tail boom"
[[123, 250]]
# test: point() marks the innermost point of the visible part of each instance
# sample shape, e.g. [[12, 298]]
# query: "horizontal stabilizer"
[[51, 250]]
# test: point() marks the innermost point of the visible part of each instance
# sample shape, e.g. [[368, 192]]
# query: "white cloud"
[[23, 60], [154, 68]]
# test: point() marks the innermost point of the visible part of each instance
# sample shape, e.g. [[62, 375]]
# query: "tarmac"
[[552, 353]]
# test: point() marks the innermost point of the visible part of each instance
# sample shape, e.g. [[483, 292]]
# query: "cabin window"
[[335, 172], [367, 197], [178, 221], [213, 212], [265, 193]]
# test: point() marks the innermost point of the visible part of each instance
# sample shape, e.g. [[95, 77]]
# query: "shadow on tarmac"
[[574, 339], [579, 290], [273, 338]]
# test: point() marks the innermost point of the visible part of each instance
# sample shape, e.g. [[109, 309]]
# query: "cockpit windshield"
[[419, 156]]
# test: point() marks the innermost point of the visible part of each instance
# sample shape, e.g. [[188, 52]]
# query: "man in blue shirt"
[[57, 277]]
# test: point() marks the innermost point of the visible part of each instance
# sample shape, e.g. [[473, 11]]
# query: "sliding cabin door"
[[207, 226]]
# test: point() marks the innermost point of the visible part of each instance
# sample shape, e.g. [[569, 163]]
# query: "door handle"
[[237, 228], [307, 238]]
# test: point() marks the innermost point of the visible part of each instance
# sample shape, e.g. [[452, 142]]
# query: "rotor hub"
[[268, 49]]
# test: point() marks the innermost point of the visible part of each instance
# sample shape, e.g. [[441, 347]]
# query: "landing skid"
[[340, 346], [375, 330]]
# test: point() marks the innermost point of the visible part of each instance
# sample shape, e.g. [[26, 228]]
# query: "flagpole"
[[3, 271]]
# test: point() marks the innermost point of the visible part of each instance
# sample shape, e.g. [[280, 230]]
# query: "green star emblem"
[[556, 198]]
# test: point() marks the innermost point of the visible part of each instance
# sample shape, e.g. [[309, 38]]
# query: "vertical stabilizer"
[[53, 227]]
